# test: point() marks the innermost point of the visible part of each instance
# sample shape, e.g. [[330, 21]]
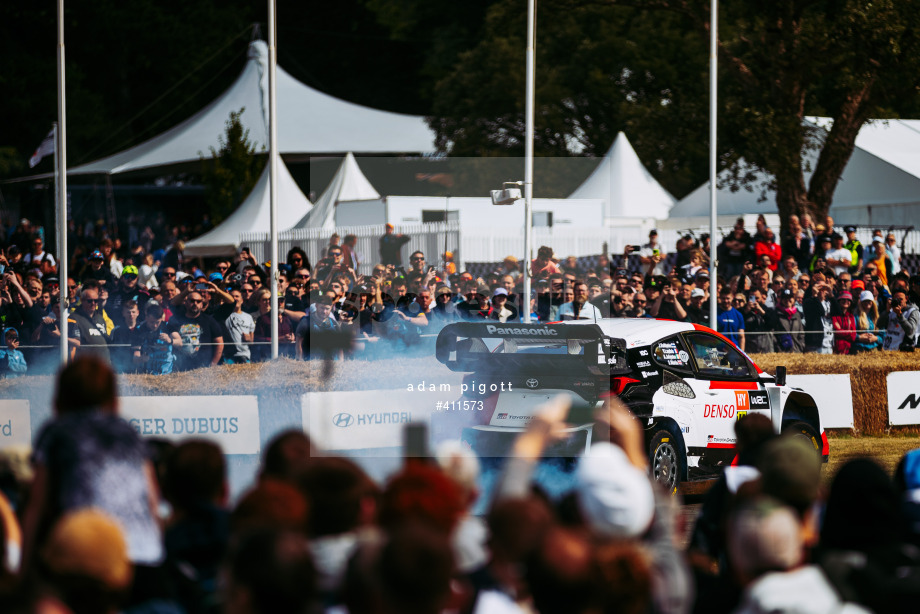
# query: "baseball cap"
[[845, 296], [697, 292], [615, 498], [878, 240], [388, 225], [500, 291], [866, 296], [96, 255], [849, 229], [215, 277], [10, 331], [51, 281], [622, 273], [857, 284], [825, 239], [129, 270]]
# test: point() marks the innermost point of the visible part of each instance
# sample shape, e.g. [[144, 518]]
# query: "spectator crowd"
[[152, 310], [99, 521]]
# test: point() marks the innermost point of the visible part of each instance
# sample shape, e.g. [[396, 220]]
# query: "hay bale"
[[868, 378]]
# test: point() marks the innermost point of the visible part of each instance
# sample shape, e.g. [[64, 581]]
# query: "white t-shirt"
[[647, 251], [840, 254], [239, 324]]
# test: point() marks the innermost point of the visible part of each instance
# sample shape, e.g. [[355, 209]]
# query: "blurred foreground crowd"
[[157, 311], [101, 521]]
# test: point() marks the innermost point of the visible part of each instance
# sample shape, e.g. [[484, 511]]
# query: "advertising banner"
[[15, 424], [903, 398], [834, 397], [232, 422]]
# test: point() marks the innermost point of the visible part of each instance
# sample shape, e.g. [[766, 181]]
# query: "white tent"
[[879, 186], [309, 121], [625, 185], [253, 215], [350, 184]]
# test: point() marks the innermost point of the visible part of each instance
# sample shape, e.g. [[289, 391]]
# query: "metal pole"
[[713, 168], [273, 172], [60, 186], [528, 154]]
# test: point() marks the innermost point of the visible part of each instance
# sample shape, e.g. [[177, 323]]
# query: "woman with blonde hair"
[[867, 338]]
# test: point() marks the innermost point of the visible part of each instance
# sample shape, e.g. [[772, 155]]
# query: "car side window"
[[671, 353], [715, 357]]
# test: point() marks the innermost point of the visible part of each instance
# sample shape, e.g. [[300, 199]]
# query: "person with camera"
[[652, 255], [240, 328], [787, 325], [755, 315], [817, 310], [903, 325], [666, 306], [153, 342]]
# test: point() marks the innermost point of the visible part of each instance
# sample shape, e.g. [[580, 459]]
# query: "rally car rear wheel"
[[666, 460]]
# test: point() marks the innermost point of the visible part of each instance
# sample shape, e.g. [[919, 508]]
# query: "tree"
[[642, 66], [600, 69], [232, 171]]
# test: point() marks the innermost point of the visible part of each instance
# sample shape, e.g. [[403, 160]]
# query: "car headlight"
[[677, 387]]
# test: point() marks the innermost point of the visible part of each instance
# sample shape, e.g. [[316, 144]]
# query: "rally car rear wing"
[[561, 349]]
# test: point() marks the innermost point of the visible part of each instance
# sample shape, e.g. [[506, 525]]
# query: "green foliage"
[[600, 70], [232, 171]]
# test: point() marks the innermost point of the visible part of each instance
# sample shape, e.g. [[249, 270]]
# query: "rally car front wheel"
[[666, 460]]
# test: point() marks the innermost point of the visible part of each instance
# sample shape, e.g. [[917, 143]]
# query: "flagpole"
[[273, 172], [528, 152], [713, 161], [60, 188]]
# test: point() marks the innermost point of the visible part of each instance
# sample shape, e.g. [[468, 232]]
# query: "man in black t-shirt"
[[202, 338]]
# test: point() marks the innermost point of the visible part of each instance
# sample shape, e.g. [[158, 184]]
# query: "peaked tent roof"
[[625, 185], [349, 183], [883, 170], [253, 215], [309, 121]]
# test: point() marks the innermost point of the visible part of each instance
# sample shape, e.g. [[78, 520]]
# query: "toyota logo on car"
[[532, 383]]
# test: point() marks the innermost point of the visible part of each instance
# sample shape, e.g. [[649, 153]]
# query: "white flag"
[[46, 147]]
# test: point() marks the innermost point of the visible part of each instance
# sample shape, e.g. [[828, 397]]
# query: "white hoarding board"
[[232, 422], [367, 419], [834, 397], [15, 424], [904, 398]]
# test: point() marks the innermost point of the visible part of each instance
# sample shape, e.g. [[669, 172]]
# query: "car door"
[[672, 367], [726, 386]]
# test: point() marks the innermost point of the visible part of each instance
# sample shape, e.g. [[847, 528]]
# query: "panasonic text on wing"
[[502, 330]]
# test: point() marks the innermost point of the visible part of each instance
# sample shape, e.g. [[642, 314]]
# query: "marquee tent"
[[253, 215], [350, 184], [309, 121], [625, 185], [880, 185]]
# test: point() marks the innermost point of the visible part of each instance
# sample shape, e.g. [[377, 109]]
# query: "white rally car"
[[687, 384]]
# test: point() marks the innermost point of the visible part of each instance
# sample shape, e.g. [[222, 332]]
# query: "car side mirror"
[[780, 376]]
